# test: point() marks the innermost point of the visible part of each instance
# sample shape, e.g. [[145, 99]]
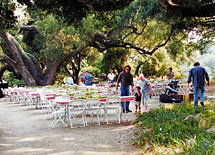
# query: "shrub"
[[180, 127]]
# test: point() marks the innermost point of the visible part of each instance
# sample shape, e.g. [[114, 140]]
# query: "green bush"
[[182, 127], [12, 81]]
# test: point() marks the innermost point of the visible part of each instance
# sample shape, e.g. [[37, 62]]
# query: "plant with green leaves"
[[178, 126]]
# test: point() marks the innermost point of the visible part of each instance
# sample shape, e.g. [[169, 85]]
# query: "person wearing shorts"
[[146, 90], [138, 99]]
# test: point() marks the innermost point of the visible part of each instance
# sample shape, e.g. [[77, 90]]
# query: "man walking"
[[126, 79], [198, 75]]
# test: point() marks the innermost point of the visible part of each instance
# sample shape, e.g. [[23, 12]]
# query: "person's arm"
[[132, 84], [150, 87], [189, 78], [72, 80], [118, 81], [114, 78], [108, 77], [207, 77]]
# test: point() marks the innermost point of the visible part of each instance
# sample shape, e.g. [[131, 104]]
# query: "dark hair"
[[128, 67], [170, 67], [138, 87], [196, 64]]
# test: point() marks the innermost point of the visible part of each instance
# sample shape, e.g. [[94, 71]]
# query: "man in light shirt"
[[70, 81], [111, 77]]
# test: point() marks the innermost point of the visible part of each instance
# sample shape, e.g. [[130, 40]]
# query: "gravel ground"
[[25, 132]]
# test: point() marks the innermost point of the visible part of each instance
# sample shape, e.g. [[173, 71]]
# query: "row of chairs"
[[79, 109]]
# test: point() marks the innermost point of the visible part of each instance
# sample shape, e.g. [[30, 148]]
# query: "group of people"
[[85, 78], [197, 74], [142, 91]]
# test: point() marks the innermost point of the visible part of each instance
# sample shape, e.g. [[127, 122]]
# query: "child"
[[138, 99], [146, 90]]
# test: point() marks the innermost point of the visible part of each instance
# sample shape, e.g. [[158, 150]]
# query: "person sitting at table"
[[82, 78], [173, 83], [146, 90], [69, 80], [88, 78], [170, 74], [111, 77]]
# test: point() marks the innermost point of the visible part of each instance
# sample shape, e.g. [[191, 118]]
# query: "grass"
[[177, 129]]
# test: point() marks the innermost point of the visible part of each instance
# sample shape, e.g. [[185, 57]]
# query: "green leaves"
[[172, 128], [7, 18]]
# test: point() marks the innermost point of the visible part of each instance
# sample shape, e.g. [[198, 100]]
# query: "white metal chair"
[[93, 107], [77, 108], [113, 104], [60, 112]]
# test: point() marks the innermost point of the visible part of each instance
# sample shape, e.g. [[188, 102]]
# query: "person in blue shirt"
[[82, 78], [88, 78], [198, 75]]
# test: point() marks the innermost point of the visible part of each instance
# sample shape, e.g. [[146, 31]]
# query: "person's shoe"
[[128, 110], [202, 103], [123, 111]]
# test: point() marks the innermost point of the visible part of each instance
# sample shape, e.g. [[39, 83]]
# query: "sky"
[[206, 60]]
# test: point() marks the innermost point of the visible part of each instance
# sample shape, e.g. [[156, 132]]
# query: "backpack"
[[164, 98]]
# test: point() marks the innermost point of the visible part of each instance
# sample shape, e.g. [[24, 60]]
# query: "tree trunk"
[[17, 56], [10, 69], [137, 69], [50, 72], [27, 65]]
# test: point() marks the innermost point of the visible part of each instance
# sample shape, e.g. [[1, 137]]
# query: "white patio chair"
[[113, 104], [48, 108], [93, 106], [59, 111], [77, 108], [59, 114]]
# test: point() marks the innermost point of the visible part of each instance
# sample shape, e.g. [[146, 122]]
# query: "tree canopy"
[[65, 32]]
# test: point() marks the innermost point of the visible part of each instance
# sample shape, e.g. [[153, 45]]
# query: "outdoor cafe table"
[[36, 96], [123, 98], [64, 102]]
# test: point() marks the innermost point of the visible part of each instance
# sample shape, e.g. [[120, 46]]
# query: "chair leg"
[[57, 119], [70, 121], [98, 118]]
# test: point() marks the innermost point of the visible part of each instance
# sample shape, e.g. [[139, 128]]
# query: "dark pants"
[[88, 83], [125, 92]]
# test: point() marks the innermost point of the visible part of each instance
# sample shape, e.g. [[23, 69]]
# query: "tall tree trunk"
[[50, 72], [137, 69], [10, 69], [17, 56], [27, 65]]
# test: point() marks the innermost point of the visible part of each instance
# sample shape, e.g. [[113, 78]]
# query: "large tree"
[[130, 29]]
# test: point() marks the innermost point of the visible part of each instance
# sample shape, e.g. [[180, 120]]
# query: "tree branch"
[[9, 61], [30, 28], [196, 10], [106, 5]]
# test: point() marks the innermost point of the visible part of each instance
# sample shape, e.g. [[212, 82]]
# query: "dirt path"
[[25, 132]]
